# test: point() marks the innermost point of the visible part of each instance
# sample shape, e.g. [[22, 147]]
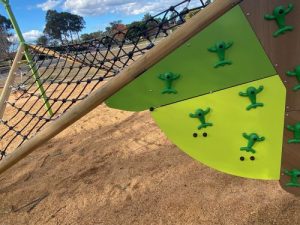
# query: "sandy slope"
[[115, 167]]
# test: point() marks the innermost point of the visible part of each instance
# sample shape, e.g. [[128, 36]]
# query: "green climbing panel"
[[241, 142], [200, 66]]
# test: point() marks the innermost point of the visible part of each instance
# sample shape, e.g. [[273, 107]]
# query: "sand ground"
[[114, 167]]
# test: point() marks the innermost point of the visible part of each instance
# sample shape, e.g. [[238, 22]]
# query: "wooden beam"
[[160, 51], [10, 80]]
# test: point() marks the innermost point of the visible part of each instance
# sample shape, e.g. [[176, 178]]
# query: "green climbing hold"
[[252, 92], [252, 139], [200, 114], [296, 130], [220, 48], [169, 78], [294, 174], [295, 73], [279, 14]]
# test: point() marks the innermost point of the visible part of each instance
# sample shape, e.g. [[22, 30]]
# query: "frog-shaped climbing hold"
[[252, 139], [295, 73], [169, 78], [296, 130], [279, 14], [294, 174], [200, 114], [252, 92], [220, 48]]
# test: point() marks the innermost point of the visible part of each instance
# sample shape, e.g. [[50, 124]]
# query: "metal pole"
[[28, 56]]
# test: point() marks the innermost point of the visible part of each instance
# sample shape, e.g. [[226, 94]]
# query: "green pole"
[[28, 56]]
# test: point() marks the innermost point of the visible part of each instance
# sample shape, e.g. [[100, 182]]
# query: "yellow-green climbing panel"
[[195, 65], [221, 148]]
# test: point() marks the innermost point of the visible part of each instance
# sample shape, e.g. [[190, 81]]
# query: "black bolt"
[[205, 134], [195, 135], [242, 158], [252, 158], [151, 109]]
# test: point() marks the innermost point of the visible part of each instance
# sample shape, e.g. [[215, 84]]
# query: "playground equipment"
[[214, 86]]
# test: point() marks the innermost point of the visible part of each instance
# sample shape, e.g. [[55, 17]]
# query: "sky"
[[98, 14]]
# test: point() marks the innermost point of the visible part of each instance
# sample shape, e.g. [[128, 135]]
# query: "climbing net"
[[60, 77]]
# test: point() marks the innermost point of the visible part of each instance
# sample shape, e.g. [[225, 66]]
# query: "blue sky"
[[97, 13]]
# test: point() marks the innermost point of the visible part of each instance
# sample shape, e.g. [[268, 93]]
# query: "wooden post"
[[160, 51], [10, 79]]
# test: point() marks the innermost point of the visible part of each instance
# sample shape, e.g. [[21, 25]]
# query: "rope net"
[[60, 77]]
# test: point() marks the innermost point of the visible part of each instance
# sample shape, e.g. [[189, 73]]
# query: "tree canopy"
[[5, 23], [63, 25], [93, 35], [5, 27], [42, 40], [144, 28]]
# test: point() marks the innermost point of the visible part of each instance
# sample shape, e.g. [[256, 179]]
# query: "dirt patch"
[[115, 167]]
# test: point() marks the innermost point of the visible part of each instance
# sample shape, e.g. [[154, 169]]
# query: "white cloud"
[[129, 7], [32, 35], [29, 36], [49, 4]]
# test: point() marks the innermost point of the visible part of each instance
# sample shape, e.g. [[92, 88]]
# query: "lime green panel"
[[221, 148], [195, 64]]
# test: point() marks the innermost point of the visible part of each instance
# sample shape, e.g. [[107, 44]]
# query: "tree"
[[147, 17], [117, 30], [62, 26], [42, 40], [53, 26], [77, 24], [151, 25], [5, 27], [136, 30], [95, 35], [112, 26], [5, 23]]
